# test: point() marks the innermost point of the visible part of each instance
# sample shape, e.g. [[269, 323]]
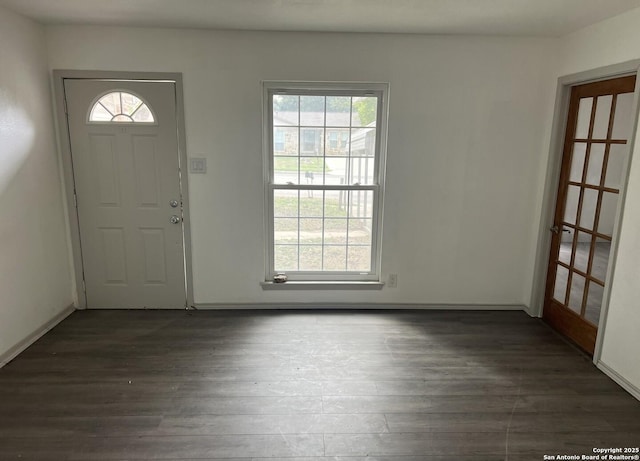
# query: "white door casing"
[[126, 175]]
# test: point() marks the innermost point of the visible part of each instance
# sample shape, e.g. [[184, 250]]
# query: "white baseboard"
[[531, 312], [358, 306], [118, 308], [626, 385], [33, 337]]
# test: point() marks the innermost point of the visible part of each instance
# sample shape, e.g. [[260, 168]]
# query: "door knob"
[[554, 229], [174, 219], [173, 203]]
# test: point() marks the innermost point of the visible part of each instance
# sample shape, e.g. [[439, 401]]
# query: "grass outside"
[[304, 241], [313, 165], [309, 207], [319, 258]]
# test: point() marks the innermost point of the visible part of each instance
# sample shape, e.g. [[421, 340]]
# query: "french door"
[[595, 150]]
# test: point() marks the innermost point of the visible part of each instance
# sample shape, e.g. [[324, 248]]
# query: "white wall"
[[35, 282], [466, 134], [609, 42]]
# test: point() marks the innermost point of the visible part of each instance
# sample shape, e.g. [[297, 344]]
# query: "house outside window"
[[324, 179]]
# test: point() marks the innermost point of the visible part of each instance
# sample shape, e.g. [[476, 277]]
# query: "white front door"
[[124, 147]]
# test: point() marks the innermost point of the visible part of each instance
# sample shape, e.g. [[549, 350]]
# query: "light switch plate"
[[197, 165]]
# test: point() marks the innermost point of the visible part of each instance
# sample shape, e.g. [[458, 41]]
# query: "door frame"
[[552, 178], [64, 147]]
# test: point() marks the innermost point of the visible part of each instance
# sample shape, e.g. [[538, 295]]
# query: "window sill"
[[316, 285]]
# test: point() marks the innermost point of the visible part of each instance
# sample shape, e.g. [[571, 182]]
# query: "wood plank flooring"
[[307, 386]]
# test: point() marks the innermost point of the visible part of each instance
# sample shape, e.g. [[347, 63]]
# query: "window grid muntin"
[[324, 180]]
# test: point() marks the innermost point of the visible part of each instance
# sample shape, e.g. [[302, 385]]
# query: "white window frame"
[[380, 90]]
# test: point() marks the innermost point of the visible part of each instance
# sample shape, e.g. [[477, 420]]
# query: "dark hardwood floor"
[[307, 386]]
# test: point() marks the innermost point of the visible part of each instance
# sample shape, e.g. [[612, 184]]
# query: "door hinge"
[[84, 286], [64, 103]]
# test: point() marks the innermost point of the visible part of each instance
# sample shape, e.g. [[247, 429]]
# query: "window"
[[336, 139], [120, 107], [311, 141], [278, 141], [332, 137], [324, 150]]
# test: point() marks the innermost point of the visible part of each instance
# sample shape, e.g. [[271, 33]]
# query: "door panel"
[[155, 268], [103, 151], [114, 261], [126, 174], [146, 175], [590, 179]]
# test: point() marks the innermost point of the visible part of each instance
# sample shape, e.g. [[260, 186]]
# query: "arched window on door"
[[120, 107]]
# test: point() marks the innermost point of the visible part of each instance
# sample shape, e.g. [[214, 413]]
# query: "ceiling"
[[486, 17]]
